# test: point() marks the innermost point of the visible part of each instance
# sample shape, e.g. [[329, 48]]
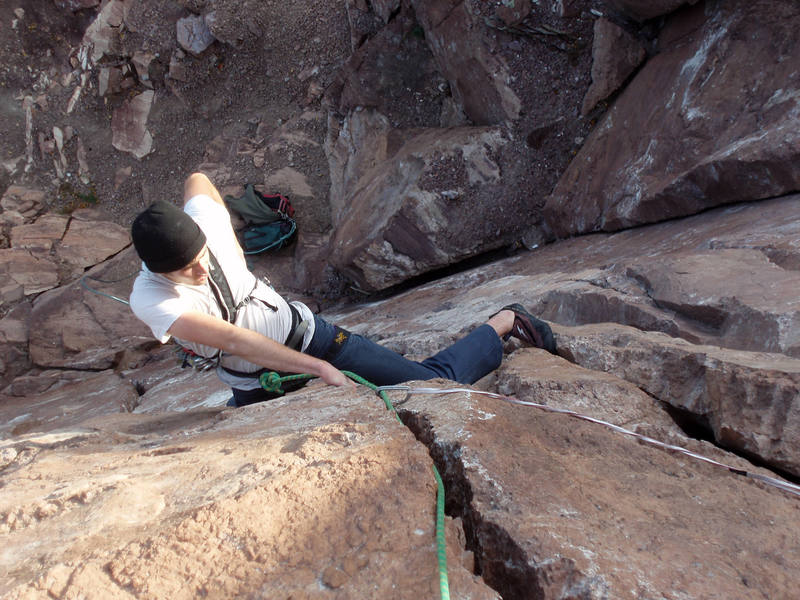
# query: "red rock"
[[87, 243], [75, 328], [22, 273], [67, 406], [559, 508], [615, 55], [681, 137], [129, 125], [277, 499]]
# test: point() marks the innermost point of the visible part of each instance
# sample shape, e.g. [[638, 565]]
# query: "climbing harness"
[[783, 485], [273, 382]]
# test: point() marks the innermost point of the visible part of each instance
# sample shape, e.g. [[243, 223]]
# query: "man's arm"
[[198, 183], [253, 347]]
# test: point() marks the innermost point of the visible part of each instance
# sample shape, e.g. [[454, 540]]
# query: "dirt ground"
[[232, 93]]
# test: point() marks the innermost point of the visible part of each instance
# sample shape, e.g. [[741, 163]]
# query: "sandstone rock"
[[26, 201], [615, 55], [102, 36], [558, 508], [87, 243], [41, 235], [513, 12], [647, 9], [141, 62], [430, 202], [385, 8], [185, 389], [23, 274], [394, 73], [681, 137], [478, 77], [599, 279], [281, 498], [193, 34], [109, 81], [67, 406], [129, 125], [74, 328], [744, 398]]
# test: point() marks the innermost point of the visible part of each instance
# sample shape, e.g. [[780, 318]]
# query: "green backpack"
[[269, 222]]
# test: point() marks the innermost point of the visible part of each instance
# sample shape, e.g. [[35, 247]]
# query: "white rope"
[[783, 485]]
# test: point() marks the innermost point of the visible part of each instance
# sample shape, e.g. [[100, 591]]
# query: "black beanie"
[[166, 238]]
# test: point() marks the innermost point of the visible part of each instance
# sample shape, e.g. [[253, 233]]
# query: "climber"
[[194, 285]]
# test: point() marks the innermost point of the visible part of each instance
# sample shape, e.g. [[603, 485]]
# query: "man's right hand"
[[333, 376]]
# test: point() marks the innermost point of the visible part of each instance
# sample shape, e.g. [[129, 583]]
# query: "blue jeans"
[[466, 361]]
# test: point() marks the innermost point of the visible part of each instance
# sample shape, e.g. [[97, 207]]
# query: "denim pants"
[[465, 361]]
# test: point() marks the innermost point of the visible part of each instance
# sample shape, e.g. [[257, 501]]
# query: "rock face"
[[418, 203], [557, 508], [689, 132], [341, 506], [437, 212], [647, 9], [598, 279], [129, 125]]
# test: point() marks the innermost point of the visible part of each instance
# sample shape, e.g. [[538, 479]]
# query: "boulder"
[[429, 201], [615, 55], [28, 202], [129, 125], [67, 406], [324, 494], [558, 508], [683, 137]]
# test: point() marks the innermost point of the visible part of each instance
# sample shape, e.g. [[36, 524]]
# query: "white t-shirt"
[[159, 302]]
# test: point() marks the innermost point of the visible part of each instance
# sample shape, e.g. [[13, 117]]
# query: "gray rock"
[[193, 34]]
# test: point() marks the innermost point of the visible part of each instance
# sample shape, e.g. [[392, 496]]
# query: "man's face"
[[195, 273]]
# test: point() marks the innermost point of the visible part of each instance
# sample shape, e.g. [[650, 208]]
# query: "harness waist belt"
[[294, 341]]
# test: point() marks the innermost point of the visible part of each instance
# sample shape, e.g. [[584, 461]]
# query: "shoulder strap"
[[221, 290]]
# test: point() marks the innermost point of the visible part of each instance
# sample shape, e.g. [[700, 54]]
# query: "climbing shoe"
[[529, 329]]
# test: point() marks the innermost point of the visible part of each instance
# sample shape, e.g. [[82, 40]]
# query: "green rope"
[[272, 381]]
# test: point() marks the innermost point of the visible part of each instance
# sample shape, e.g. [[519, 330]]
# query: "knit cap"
[[166, 238]]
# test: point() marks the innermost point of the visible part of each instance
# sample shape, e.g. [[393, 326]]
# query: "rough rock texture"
[[74, 328], [465, 74], [615, 55], [67, 406], [323, 496], [129, 125], [598, 279], [557, 508], [749, 400], [419, 203], [692, 131]]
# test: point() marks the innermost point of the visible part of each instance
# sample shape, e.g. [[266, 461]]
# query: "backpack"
[[269, 222]]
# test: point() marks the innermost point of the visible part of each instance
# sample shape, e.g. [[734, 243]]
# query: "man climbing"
[[195, 286]]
